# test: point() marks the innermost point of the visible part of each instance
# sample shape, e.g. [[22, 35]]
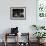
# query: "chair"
[[26, 41], [14, 32], [7, 35]]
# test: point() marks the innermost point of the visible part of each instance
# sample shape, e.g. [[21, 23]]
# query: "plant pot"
[[40, 40]]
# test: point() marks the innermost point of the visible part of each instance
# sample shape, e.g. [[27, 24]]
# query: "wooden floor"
[[13, 44]]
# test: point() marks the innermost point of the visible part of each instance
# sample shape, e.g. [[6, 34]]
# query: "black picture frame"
[[18, 13]]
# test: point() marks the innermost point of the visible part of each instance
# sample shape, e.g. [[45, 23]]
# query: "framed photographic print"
[[41, 8], [41, 12], [17, 13]]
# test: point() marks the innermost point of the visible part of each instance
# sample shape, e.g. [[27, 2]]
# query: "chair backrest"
[[14, 30]]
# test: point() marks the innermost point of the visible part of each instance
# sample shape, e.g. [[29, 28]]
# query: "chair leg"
[[5, 40], [5, 43]]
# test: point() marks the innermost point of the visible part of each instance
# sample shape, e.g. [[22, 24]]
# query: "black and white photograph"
[[17, 13]]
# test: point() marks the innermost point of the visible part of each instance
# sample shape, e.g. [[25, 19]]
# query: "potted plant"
[[39, 35]]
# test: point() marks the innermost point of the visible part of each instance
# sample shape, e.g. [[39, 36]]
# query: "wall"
[[24, 25]]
